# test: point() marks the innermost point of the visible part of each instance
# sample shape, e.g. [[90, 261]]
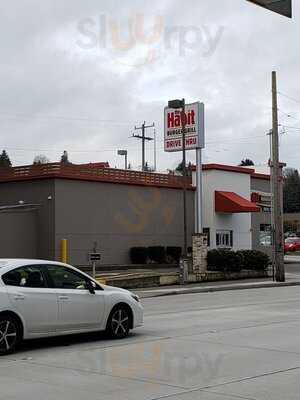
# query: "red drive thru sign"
[[194, 127]]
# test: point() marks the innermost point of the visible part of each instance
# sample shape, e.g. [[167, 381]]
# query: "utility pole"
[[143, 138], [270, 133], [277, 191], [155, 158]]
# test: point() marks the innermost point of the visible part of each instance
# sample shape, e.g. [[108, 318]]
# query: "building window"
[[265, 235], [206, 231], [224, 239]]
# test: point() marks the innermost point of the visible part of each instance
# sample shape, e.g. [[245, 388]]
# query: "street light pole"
[[183, 124], [123, 153], [177, 105]]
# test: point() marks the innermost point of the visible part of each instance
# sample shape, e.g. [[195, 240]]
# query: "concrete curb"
[[216, 289]]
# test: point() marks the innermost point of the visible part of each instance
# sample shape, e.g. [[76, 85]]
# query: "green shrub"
[[157, 254], [254, 260], [173, 253], [224, 260], [139, 255], [215, 261]]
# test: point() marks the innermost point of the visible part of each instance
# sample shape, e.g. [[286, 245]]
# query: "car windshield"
[[292, 240]]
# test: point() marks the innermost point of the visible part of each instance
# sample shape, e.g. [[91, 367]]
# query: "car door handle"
[[63, 297], [19, 297]]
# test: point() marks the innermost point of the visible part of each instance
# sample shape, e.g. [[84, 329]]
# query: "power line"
[[113, 149], [288, 115], [64, 118], [289, 97], [290, 127]]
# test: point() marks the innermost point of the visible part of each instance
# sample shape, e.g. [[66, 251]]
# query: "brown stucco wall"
[[19, 236], [117, 217], [33, 192]]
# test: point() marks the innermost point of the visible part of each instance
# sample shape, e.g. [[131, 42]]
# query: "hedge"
[[173, 254], [255, 260], [157, 254], [224, 260], [234, 261], [139, 255]]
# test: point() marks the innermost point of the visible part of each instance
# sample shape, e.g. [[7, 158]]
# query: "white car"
[[44, 298]]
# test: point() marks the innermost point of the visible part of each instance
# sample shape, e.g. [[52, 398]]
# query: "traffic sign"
[[95, 257]]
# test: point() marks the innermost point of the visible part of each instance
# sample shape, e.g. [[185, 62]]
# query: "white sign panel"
[[194, 127]]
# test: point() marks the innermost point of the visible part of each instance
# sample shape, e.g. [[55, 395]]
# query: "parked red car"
[[292, 244]]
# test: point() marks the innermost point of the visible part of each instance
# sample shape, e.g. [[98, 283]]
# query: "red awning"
[[230, 202]]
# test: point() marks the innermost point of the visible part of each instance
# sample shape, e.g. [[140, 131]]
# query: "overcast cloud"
[[78, 75]]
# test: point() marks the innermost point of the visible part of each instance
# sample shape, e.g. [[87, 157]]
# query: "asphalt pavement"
[[212, 346]]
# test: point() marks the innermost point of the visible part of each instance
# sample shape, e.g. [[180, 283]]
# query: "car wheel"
[[119, 322], [10, 334]]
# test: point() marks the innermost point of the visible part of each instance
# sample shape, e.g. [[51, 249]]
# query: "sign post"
[[199, 225], [94, 257], [191, 126], [201, 134]]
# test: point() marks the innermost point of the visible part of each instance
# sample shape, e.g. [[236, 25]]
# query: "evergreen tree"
[[65, 158], [291, 191], [189, 169], [4, 160]]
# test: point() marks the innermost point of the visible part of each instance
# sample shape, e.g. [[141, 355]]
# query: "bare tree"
[[40, 159]]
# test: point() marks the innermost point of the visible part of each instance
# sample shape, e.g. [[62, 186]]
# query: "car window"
[[291, 240], [27, 276], [65, 278]]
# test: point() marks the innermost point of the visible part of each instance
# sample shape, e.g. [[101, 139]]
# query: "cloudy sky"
[[79, 75]]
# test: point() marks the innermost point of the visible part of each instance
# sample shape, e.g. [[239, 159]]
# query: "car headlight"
[[135, 297]]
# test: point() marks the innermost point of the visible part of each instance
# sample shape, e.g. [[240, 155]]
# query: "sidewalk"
[[291, 280]]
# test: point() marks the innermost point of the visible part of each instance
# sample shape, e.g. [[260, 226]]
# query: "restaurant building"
[[111, 210]]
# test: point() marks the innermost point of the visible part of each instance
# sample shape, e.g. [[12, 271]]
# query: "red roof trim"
[[233, 168], [96, 165], [230, 202], [92, 174], [230, 168], [223, 167]]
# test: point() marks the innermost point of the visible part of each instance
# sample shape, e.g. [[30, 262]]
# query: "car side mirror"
[[90, 287]]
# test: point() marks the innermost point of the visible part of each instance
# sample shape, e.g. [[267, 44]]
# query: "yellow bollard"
[[64, 251]]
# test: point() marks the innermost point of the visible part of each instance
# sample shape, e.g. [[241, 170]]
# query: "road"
[[213, 346]]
